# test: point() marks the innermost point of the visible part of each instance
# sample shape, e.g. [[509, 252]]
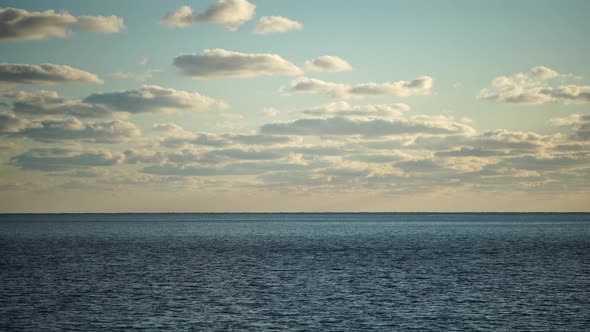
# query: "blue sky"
[[461, 46]]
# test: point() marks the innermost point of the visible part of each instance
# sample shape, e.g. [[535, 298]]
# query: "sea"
[[295, 272]]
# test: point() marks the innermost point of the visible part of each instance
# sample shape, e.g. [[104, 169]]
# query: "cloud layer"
[[222, 63], [271, 24], [147, 99], [20, 24], [536, 87], [12, 74], [336, 126], [59, 159], [229, 13], [74, 129], [417, 87], [327, 63], [151, 98]]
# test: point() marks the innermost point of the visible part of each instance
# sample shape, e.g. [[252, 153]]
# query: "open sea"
[[295, 272]]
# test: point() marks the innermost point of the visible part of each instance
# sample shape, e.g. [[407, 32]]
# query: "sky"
[[276, 105]]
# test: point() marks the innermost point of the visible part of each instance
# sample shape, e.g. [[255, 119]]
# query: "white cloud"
[[20, 24], [579, 123], [223, 63], [366, 127], [44, 74], [494, 142], [147, 99], [74, 129], [9, 123], [543, 73], [140, 77], [270, 24], [43, 104], [536, 87], [179, 138], [419, 86], [270, 112], [344, 109], [59, 159], [327, 63], [152, 98], [168, 128], [229, 13], [236, 169], [104, 24]]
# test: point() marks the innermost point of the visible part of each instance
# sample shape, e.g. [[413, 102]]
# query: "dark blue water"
[[295, 272]]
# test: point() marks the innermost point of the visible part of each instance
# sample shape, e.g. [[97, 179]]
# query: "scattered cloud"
[[366, 127], [579, 124], [140, 77], [12, 74], [221, 63], [20, 24], [74, 129], [536, 87], [43, 104], [327, 63], [9, 123], [168, 128], [6, 145], [344, 109], [498, 142], [147, 99], [178, 137], [229, 13], [240, 168], [60, 159], [270, 112], [271, 24], [152, 98], [419, 86]]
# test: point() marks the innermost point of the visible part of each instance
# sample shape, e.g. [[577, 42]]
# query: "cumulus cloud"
[[140, 77], [44, 74], [547, 163], [229, 13], [9, 123], [536, 87], [390, 157], [223, 63], [270, 111], [270, 24], [542, 73], [148, 98], [168, 128], [42, 104], [366, 127], [74, 129], [20, 24], [579, 123], [239, 154], [60, 159], [240, 168], [327, 63], [344, 109], [180, 137], [493, 142], [6, 145], [152, 98], [419, 86]]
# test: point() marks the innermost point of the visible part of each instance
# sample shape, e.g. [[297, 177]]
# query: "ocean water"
[[295, 272]]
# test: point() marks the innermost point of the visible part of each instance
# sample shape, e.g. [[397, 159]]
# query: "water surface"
[[295, 272]]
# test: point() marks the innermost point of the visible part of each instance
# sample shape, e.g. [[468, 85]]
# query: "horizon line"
[[313, 212]]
